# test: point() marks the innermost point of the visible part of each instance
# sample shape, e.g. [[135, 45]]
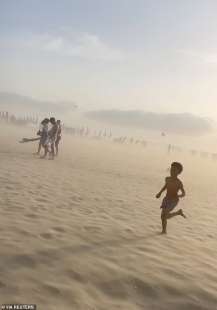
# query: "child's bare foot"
[[181, 213]]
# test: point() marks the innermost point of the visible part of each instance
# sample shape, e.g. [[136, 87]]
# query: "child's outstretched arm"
[[161, 191], [182, 191]]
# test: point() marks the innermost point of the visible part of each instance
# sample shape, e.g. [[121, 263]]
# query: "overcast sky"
[[153, 55]]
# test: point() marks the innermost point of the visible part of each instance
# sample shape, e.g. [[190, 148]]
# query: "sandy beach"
[[82, 232]]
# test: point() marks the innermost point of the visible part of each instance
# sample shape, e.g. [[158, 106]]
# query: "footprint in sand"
[[2, 285], [23, 232], [51, 289], [92, 229], [129, 230], [114, 289], [76, 199], [72, 205], [9, 187], [59, 229], [210, 236], [23, 260], [97, 199], [74, 275], [42, 200], [142, 288], [47, 236], [31, 215]]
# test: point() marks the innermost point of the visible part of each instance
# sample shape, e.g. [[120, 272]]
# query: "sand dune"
[[82, 232]]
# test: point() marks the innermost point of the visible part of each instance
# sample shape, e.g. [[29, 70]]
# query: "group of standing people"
[[50, 133]]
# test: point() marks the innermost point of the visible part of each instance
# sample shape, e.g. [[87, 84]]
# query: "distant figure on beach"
[[43, 133], [87, 132], [144, 143], [172, 185], [214, 156], [193, 152], [52, 136], [59, 136]]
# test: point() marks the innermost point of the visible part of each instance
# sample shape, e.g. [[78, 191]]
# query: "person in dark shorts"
[[173, 186]]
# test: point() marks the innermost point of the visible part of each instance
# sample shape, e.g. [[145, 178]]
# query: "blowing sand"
[[82, 232]]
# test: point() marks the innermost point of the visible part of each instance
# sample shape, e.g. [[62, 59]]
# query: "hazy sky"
[[154, 55]]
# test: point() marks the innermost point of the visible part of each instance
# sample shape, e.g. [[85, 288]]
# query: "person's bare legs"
[[45, 151], [39, 149], [57, 148], [166, 215], [52, 153]]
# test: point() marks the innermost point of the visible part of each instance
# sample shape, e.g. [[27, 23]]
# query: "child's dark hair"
[[178, 166], [52, 119], [45, 121]]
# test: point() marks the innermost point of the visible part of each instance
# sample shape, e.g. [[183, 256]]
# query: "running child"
[[173, 186]]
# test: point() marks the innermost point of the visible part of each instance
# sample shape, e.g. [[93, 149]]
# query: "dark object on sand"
[[25, 140]]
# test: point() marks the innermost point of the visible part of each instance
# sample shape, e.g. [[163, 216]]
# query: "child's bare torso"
[[173, 185]]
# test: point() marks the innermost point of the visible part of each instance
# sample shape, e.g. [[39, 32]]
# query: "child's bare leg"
[[179, 212], [57, 148], [39, 148], [172, 214], [52, 152], [182, 213], [164, 221], [165, 215]]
